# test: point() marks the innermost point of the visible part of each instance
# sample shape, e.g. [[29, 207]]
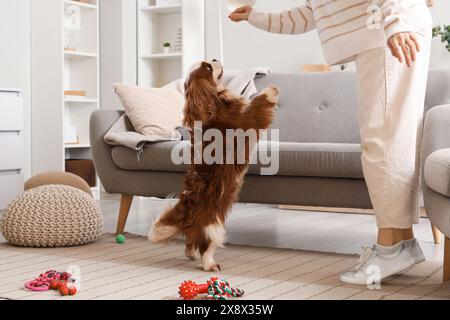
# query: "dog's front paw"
[[214, 267], [273, 93]]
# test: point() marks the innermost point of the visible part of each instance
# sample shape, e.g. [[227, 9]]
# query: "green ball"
[[120, 239]]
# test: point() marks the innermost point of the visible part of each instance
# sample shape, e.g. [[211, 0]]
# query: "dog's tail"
[[166, 227]]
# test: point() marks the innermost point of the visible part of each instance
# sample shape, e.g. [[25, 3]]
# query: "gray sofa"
[[436, 177], [320, 156]]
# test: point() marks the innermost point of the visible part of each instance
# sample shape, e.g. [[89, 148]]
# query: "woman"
[[389, 40]]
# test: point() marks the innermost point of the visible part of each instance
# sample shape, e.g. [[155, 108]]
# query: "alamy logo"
[[374, 277], [236, 147]]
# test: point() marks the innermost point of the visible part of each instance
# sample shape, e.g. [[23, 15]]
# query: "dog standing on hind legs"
[[210, 190]]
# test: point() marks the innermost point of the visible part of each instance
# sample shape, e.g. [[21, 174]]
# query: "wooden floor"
[[139, 270], [268, 226]]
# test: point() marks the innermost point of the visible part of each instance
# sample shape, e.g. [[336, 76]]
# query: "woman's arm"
[[401, 40], [395, 15], [294, 21]]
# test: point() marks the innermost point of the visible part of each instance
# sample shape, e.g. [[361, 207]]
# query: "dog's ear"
[[201, 102]]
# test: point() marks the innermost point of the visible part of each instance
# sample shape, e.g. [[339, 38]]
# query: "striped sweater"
[[348, 27]]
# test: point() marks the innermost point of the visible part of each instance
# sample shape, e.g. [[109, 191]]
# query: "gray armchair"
[[436, 177]]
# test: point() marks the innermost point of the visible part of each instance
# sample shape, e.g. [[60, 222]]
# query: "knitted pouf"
[[58, 177], [52, 216]]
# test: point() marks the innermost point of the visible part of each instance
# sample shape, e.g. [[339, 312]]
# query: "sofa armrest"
[[101, 121], [436, 136], [436, 132], [437, 172]]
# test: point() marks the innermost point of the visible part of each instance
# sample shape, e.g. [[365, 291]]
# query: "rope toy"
[[44, 281], [215, 289]]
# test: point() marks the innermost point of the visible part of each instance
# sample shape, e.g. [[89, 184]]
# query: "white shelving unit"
[[158, 24], [56, 69]]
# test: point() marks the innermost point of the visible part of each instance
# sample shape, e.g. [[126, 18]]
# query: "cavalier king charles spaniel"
[[210, 190]]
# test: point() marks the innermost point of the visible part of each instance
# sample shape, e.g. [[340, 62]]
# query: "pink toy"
[[42, 283]]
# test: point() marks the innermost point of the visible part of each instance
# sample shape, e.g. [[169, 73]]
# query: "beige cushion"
[[152, 112], [60, 178], [437, 172]]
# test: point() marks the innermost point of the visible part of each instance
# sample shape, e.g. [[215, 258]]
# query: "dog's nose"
[[215, 60]]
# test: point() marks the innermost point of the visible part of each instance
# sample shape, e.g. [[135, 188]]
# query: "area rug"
[[139, 270]]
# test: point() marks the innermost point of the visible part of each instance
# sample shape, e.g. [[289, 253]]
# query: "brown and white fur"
[[211, 190]]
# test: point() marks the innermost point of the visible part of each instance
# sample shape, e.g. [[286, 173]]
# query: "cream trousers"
[[391, 107]]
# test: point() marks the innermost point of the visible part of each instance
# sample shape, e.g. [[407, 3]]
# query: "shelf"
[[90, 101], [77, 146], [79, 54], [81, 4], [162, 56], [175, 8]]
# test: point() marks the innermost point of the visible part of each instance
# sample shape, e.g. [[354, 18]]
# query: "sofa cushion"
[[437, 172], [153, 112], [332, 160]]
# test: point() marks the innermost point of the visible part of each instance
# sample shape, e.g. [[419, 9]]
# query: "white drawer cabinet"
[[11, 117], [11, 185], [11, 145]]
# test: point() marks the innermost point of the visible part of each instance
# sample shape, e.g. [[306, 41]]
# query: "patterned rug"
[[140, 270]]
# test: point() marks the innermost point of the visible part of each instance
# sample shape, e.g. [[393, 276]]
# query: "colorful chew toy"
[[215, 288], [44, 281]]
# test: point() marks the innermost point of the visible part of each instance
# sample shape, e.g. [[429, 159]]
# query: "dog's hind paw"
[[215, 267], [161, 233], [191, 254]]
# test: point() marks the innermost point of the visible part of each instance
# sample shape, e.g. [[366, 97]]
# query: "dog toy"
[[215, 289], [120, 239], [62, 288], [44, 281]]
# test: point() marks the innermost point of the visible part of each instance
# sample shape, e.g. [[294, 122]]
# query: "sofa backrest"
[[322, 107]]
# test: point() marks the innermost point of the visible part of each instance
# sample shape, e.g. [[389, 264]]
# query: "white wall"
[[118, 48], [15, 59], [246, 46], [440, 57]]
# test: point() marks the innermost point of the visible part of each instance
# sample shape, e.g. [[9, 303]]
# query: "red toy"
[[63, 290], [43, 282], [53, 280], [189, 290], [72, 291], [215, 288]]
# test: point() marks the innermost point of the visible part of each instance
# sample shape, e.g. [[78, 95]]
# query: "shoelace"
[[366, 257]]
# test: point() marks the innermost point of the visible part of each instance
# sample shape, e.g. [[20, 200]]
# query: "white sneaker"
[[378, 263], [414, 247]]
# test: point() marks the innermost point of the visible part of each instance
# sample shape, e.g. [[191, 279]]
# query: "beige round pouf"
[[58, 177], [52, 216]]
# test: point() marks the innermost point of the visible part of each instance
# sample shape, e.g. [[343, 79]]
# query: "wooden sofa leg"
[[125, 205], [436, 235], [447, 260]]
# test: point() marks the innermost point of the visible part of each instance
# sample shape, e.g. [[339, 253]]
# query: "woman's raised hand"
[[241, 14], [404, 46]]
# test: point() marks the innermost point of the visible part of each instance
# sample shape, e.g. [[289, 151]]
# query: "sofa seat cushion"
[[331, 160], [437, 172]]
